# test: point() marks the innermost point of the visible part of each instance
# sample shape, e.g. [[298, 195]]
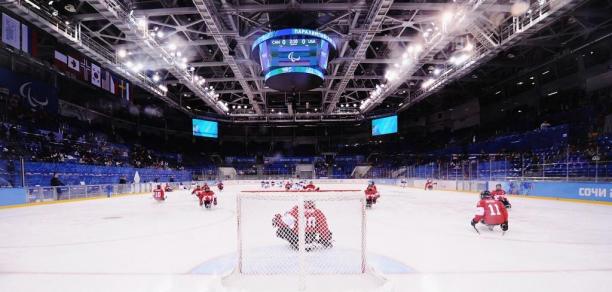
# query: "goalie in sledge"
[[317, 233]]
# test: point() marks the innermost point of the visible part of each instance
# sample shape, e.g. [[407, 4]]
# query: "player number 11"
[[493, 213]]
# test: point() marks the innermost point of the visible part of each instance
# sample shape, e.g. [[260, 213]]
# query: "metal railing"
[[59, 193], [42, 194], [504, 169]]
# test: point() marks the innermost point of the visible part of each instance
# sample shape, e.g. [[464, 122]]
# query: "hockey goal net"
[[301, 234]]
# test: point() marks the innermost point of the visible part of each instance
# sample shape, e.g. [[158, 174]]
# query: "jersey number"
[[493, 211]]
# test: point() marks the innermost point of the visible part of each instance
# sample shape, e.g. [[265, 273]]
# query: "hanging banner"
[[34, 95]]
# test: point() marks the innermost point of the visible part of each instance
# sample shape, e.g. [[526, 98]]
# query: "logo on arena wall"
[[35, 102], [34, 95]]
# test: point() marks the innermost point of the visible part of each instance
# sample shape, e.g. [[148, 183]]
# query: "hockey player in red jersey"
[[220, 185], [159, 194], [310, 187], [207, 197], [196, 190], [316, 229], [491, 212], [429, 185], [288, 186], [371, 194], [500, 195]]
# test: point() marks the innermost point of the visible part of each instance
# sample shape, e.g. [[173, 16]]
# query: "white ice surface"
[[136, 244]]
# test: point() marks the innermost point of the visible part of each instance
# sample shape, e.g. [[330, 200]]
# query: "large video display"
[[203, 128], [293, 59], [384, 126]]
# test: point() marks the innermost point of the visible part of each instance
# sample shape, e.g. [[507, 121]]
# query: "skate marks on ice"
[[336, 260]]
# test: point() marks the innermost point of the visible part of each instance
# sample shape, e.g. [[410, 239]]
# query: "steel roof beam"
[[206, 8], [374, 19]]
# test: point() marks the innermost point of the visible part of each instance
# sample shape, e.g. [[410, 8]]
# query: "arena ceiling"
[[195, 54]]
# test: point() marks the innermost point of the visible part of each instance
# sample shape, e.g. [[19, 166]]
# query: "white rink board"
[[135, 244]]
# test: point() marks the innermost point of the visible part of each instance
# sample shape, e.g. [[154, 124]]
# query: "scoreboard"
[[294, 52]]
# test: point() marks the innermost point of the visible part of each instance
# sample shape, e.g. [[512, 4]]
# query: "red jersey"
[[429, 185], [315, 221], [310, 187], [371, 190], [204, 193], [159, 194], [498, 194], [491, 211]]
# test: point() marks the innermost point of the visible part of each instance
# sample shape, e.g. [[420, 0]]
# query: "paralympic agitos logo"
[[32, 96], [292, 58]]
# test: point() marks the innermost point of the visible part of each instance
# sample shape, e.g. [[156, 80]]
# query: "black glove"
[[504, 226], [473, 223]]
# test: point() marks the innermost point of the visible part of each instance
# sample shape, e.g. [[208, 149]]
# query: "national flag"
[[96, 75], [112, 84], [86, 68], [11, 31], [61, 57], [124, 89], [29, 41], [25, 38], [121, 88], [60, 61], [74, 64], [105, 80]]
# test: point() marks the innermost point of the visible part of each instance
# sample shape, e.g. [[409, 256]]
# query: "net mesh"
[[301, 233]]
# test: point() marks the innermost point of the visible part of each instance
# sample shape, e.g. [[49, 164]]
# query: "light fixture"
[[142, 22], [427, 83], [437, 71], [160, 34], [122, 53], [553, 93], [156, 77]]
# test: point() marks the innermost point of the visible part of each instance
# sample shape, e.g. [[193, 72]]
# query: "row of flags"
[[19, 35], [78, 67]]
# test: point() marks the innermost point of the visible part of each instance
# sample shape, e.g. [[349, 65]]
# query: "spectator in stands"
[[122, 180], [56, 182], [544, 125]]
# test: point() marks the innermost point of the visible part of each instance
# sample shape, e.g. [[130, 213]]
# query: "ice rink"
[[422, 240]]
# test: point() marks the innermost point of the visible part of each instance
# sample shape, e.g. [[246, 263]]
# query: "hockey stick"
[[476, 229]]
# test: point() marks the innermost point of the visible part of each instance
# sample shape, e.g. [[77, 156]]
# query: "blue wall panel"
[[10, 196]]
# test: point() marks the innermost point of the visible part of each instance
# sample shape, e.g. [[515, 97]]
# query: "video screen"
[[384, 126], [202, 128], [291, 52]]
